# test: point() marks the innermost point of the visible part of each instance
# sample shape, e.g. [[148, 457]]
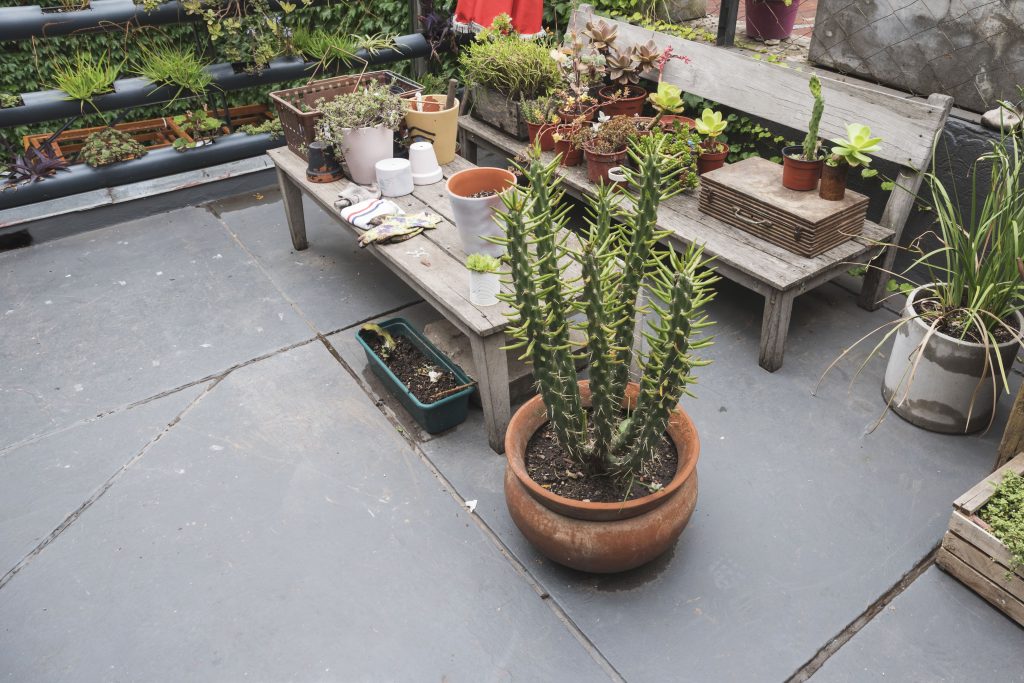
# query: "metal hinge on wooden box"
[[749, 195]]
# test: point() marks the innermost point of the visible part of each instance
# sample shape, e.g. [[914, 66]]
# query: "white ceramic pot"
[[484, 288], [951, 391], [394, 177], [474, 216], [363, 148], [425, 170]]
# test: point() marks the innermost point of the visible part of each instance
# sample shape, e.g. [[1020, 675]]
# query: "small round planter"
[[484, 288], [770, 19], [474, 216], [631, 104], [799, 174], [362, 148], [599, 164], [951, 392], [709, 161], [599, 537], [543, 132], [833, 182]]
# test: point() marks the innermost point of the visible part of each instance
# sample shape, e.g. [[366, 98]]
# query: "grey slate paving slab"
[[803, 520], [334, 282], [936, 631], [43, 482], [281, 531], [111, 317]]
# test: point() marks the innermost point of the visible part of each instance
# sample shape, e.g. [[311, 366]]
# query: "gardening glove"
[[399, 228]]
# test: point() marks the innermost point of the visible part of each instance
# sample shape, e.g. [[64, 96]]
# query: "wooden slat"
[[997, 573], [907, 126], [992, 593], [978, 495], [991, 546], [1012, 442]]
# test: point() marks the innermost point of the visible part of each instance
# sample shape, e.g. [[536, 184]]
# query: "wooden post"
[[419, 65], [727, 15], [1013, 435]]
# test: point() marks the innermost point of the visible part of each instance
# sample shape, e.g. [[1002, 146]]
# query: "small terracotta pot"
[[833, 182], [799, 174], [544, 131], [570, 155], [598, 164], [709, 161], [668, 122], [599, 537], [632, 104]]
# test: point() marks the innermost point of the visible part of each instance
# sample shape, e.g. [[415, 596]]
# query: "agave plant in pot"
[[960, 331], [801, 164], [849, 152], [601, 474], [712, 152], [362, 125]]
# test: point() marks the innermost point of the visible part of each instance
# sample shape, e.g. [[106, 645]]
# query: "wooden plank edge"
[[994, 595]]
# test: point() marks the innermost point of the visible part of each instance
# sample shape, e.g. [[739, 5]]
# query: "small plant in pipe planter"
[[801, 164], [177, 67], [849, 152], [200, 129], [541, 117], [361, 126], [960, 331], [712, 152], [82, 78], [109, 146], [484, 279], [605, 450], [604, 144], [8, 101], [33, 166]]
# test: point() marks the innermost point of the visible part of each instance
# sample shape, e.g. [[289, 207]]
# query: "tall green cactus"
[[617, 260], [811, 141]]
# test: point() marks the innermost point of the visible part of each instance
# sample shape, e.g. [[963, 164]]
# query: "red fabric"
[[526, 14]]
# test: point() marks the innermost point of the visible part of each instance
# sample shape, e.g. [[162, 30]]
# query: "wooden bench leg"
[[774, 327], [469, 147], [291, 196], [492, 374]]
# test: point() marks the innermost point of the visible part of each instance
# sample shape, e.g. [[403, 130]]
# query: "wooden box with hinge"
[[749, 195], [977, 558]]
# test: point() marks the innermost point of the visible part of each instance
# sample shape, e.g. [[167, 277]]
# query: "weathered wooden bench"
[[908, 127], [432, 264]]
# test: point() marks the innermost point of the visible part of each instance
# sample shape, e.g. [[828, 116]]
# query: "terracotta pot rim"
[[691, 450], [631, 87], [795, 160], [910, 313], [508, 174], [603, 156], [714, 155]]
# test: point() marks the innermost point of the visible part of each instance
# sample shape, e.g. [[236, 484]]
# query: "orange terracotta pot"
[[599, 537], [709, 161], [798, 174], [668, 122], [632, 104], [543, 131]]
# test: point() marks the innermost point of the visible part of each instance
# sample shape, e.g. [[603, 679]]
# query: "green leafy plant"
[[667, 100], [8, 100], [810, 146], [482, 263], [680, 145], [711, 125], [519, 69], [326, 48], [109, 146], [608, 135], [33, 166], [375, 43], [617, 260], [372, 106], [271, 126], [199, 125], [84, 77], [540, 110], [1004, 513], [175, 66], [853, 150]]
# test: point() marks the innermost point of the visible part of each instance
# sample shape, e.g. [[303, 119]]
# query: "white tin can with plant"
[[484, 279], [362, 126]]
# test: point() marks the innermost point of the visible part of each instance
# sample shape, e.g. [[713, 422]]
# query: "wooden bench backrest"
[[907, 126]]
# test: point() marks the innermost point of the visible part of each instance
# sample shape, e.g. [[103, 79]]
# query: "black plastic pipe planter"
[[48, 105], [160, 162]]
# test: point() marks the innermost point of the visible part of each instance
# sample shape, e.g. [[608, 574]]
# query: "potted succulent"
[[712, 154], [484, 279], [361, 126], [960, 331], [199, 129], [475, 194], [770, 19], [604, 144], [682, 145], [564, 138], [109, 146], [581, 67], [849, 152], [622, 67], [624, 485], [541, 119], [668, 104], [801, 164]]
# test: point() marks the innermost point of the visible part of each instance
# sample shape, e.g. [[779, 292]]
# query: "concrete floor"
[[200, 481]]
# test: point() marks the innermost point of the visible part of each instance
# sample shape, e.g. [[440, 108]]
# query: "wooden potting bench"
[[908, 127]]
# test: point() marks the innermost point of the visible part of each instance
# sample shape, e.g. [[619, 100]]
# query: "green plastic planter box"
[[433, 417]]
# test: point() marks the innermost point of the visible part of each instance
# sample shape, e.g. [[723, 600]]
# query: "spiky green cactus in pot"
[[811, 141], [618, 261]]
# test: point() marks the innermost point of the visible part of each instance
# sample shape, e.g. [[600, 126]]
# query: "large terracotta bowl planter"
[[599, 537]]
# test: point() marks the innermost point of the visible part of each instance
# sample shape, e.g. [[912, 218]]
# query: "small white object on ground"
[[471, 505], [1001, 117]]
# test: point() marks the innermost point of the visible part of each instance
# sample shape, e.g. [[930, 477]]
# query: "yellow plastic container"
[[435, 124]]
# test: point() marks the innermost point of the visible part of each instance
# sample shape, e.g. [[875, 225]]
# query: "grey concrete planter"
[[951, 391]]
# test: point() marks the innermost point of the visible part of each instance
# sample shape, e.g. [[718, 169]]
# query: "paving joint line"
[[70, 519], [584, 640], [863, 619]]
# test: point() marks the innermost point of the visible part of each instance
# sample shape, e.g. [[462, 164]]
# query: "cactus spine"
[[811, 141]]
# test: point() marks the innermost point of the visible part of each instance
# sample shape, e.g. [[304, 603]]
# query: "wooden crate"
[[749, 195], [976, 557], [248, 115], [151, 134]]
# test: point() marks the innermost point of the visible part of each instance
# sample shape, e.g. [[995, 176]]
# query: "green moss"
[[1004, 512]]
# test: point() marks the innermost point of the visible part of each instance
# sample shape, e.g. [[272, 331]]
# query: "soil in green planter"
[[548, 465], [426, 380], [1004, 513]]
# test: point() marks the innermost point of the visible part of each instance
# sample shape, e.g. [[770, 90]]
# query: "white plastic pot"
[[394, 177], [951, 391], [474, 216], [363, 148], [484, 288]]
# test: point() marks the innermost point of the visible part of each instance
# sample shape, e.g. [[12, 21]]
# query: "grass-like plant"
[[519, 69], [618, 259], [174, 66], [329, 49], [82, 77]]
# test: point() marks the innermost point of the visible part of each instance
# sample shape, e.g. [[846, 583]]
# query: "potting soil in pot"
[[548, 465], [954, 326], [427, 382]]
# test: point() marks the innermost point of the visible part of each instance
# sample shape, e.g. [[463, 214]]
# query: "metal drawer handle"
[[747, 218]]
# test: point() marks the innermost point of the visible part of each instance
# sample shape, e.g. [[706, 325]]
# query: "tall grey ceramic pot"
[[474, 215], [951, 391]]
